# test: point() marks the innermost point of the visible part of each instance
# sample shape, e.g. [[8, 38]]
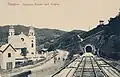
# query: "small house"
[[7, 57]]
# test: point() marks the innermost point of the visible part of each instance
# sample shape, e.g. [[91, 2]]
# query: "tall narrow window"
[[32, 33], [9, 54], [32, 45]]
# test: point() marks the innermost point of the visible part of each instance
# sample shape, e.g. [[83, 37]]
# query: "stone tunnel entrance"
[[89, 48]]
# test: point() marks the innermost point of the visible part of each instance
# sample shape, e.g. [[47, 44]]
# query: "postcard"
[[59, 38]]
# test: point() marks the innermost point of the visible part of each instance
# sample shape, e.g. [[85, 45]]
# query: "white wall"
[[6, 59], [17, 43]]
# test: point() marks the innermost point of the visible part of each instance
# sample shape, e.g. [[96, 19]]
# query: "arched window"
[[32, 45]]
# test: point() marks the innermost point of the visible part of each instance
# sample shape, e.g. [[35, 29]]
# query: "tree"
[[46, 45], [24, 52], [51, 47]]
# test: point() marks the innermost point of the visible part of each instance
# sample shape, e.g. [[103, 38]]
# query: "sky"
[[58, 14]]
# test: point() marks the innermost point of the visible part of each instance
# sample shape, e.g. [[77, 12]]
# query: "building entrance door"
[[9, 65]]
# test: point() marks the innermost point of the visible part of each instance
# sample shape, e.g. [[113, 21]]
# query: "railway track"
[[88, 66]]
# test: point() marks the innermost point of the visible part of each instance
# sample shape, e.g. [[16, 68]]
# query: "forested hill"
[[111, 39], [42, 35]]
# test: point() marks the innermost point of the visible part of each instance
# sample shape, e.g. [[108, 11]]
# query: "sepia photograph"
[[59, 38]]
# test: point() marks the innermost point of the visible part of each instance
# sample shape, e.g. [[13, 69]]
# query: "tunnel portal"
[[88, 48]]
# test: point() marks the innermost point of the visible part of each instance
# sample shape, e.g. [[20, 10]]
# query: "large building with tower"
[[22, 41]]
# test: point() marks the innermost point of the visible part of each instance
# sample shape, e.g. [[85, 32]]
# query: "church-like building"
[[23, 42]]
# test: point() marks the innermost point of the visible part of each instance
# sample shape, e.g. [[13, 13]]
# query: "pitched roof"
[[17, 42], [4, 48]]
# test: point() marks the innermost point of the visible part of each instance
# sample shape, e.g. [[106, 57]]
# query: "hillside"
[[69, 41], [105, 37], [110, 38], [111, 35], [42, 35]]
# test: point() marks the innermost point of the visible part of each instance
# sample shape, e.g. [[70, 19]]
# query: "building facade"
[[22, 41], [7, 57]]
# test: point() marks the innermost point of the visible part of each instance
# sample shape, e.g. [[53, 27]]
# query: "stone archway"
[[89, 48]]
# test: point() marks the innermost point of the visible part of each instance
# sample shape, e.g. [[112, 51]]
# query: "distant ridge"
[[42, 35]]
